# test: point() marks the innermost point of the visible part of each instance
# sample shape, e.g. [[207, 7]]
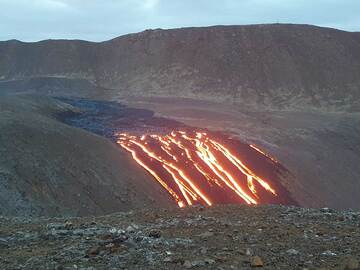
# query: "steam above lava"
[[196, 168]]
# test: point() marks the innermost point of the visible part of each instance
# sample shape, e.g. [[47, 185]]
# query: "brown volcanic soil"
[[220, 237], [49, 168], [276, 66]]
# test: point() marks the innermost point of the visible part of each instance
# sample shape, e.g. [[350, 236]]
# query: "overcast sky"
[[98, 20]]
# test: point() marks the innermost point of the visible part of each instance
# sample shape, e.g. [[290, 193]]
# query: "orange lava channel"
[[194, 168]]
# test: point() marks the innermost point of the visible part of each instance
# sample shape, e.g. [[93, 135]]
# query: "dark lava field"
[[109, 119]]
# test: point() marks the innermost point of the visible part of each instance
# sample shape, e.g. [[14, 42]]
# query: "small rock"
[[120, 239], [78, 232], [256, 261], [187, 264], [130, 229], [68, 225], [168, 259], [220, 258], [109, 245], [155, 234], [177, 260], [60, 232], [206, 235], [112, 248], [351, 264], [138, 238], [328, 253], [93, 251], [55, 226], [3, 243], [106, 236], [209, 261], [327, 210], [292, 251], [198, 263]]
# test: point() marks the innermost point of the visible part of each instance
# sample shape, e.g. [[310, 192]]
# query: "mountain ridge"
[[275, 66], [177, 28]]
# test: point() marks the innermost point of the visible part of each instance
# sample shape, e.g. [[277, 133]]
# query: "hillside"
[[51, 169], [276, 66]]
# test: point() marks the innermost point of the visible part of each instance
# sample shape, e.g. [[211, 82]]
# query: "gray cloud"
[[97, 20]]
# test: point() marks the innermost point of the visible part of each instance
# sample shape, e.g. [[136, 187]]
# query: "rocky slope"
[[277, 66], [221, 237], [49, 168]]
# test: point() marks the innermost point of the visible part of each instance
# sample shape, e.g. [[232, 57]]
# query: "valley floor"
[[220, 237]]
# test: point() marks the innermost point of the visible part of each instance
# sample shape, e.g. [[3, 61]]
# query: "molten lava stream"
[[195, 169], [263, 153]]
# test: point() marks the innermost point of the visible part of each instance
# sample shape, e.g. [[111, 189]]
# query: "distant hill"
[[275, 66]]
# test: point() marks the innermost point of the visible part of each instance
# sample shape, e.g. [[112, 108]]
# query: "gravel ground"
[[220, 237]]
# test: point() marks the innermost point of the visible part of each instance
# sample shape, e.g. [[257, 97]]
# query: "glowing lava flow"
[[263, 153], [195, 168]]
